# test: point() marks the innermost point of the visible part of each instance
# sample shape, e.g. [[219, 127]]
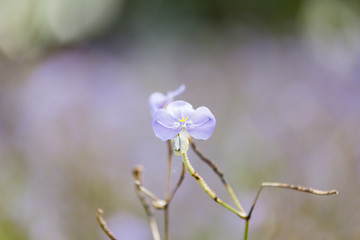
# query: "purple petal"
[[172, 94], [180, 109], [201, 123], [156, 102], [165, 126]]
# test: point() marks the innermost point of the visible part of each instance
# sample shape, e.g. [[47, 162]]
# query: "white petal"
[[180, 109]]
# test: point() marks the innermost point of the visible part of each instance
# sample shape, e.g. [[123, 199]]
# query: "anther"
[[183, 120]]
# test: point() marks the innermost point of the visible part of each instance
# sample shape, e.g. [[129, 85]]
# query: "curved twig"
[[102, 223]]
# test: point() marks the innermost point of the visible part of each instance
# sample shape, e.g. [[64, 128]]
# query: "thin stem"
[[241, 213], [168, 178], [207, 189], [148, 193], [299, 188], [172, 195], [182, 176], [219, 173], [102, 223], [292, 187], [157, 202], [137, 172], [167, 191], [154, 228], [166, 222], [246, 229]]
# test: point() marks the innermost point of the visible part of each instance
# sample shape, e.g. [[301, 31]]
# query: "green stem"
[[208, 190], [246, 229], [219, 173], [234, 198]]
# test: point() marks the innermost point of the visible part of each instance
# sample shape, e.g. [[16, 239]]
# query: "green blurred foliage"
[[31, 27], [10, 229], [270, 16]]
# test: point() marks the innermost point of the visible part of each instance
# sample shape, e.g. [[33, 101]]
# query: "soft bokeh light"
[[282, 82], [30, 27]]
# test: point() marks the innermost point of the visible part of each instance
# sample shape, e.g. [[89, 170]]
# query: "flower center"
[[183, 121]]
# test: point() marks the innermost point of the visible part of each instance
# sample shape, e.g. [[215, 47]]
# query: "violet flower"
[[179, 120], [158, 100]]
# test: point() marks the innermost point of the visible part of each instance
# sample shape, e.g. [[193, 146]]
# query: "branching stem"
[[156, 201], [137, 172], [208, 190], [219, 173], [240, 211]]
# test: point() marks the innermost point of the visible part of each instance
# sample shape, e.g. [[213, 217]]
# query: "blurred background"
[[281, 78]]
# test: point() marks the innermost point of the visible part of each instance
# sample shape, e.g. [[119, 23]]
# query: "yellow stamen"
[[183, 120]]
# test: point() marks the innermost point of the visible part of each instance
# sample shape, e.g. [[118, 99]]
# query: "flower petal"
[[165, 126], [156, 102], [201, 123], [180, 109], [172, 94]]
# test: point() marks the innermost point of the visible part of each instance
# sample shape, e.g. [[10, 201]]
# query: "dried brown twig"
[[157, 203], [102, 223]]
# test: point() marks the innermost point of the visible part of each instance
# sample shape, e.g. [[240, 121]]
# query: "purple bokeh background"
[[74, 121]]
